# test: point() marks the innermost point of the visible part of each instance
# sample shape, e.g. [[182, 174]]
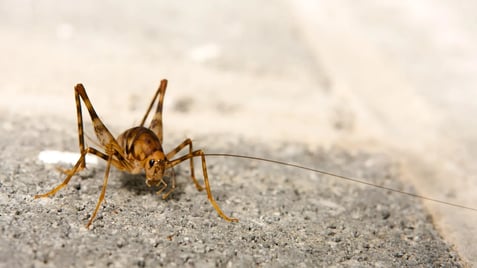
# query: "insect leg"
[[206, 180], [105, 137], [171, 154], [103, 191], [73, 171], [156, 123], [164, 185], [79, 116]]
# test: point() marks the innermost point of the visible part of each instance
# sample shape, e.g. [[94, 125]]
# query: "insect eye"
[[151, 162]]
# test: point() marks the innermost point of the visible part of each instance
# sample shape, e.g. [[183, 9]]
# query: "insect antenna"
[[355, 180]]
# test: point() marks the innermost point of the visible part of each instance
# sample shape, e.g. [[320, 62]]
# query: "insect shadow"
[[135, 183]]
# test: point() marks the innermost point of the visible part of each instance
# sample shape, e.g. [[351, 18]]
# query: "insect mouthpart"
[[154, 171]]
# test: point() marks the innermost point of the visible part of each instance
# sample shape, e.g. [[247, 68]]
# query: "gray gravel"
[[287, 217]]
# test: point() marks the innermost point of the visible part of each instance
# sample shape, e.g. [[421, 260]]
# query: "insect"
[[136, 149], [140, 148]]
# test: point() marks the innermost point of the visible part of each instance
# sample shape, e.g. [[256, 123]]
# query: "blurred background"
[[392, 77]]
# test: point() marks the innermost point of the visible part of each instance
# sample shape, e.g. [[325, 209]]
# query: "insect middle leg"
[[76, 168], [191, 155]]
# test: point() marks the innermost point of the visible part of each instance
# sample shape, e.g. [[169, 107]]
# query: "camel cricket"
[[136, 149], [140, 148]]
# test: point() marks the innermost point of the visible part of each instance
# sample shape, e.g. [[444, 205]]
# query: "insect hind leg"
[[79, 116], [105, 137], [156, 122]]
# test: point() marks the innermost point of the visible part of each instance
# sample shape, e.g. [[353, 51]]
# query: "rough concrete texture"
[[287, 217], [382, 90]]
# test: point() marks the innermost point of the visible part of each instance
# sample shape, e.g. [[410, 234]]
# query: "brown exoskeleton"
[[135, 150]]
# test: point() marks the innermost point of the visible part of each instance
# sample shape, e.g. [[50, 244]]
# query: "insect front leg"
[[200, 153], [171, 154], [164, 185]]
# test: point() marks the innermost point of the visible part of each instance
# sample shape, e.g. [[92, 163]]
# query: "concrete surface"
[[287, 218], [344, 87]]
